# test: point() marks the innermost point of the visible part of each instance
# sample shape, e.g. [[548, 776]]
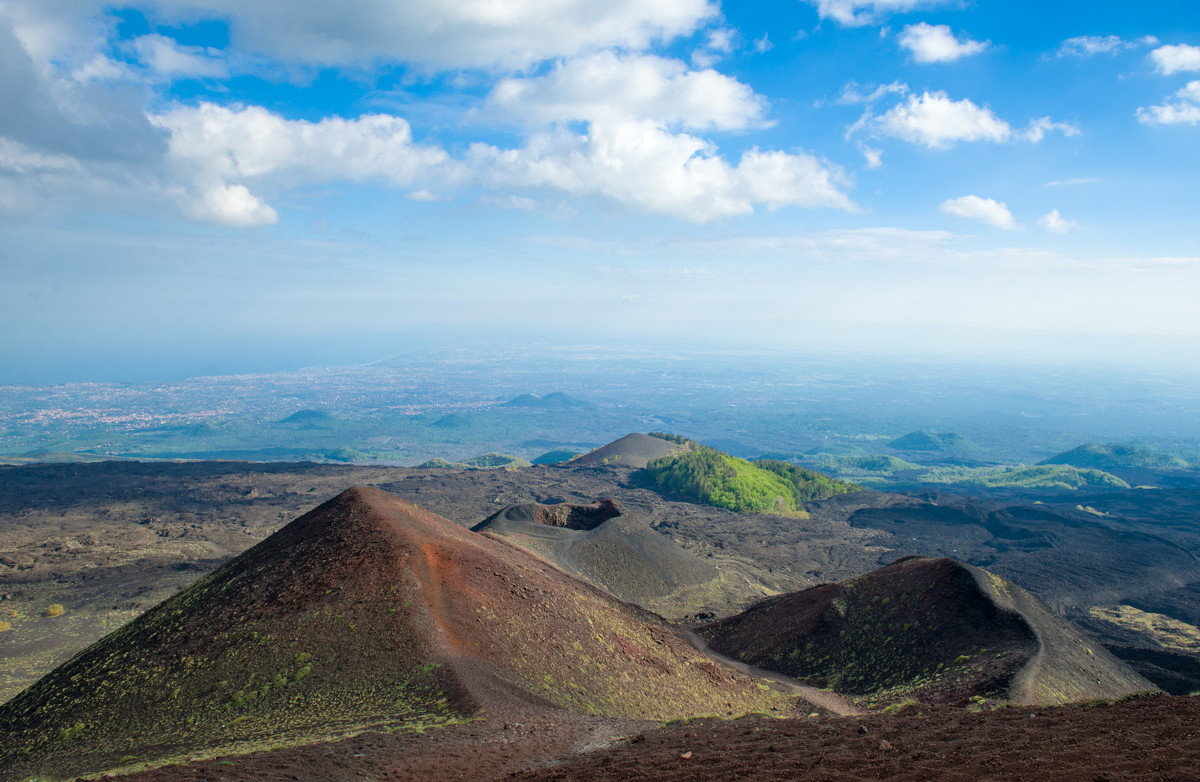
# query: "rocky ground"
[[1155, 738]]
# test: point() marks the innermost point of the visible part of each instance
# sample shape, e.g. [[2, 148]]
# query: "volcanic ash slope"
[[930, 629], [602, 544], [366, 613], [632, 450]]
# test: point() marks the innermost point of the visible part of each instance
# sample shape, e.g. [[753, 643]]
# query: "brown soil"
[[1147, 739], [367, 612], [931, 629]]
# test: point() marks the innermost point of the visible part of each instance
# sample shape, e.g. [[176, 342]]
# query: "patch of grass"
[[716, 478], [54, 609]]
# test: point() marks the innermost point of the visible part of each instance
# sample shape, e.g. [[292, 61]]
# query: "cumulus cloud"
[[217, 151], [937, 43], [985, 210], [639, 164], [1184, 110], [855, 13], [1175, 58], [76, 119], [1054, 222], [232, 205], [938, 122], [609, 87], [437, 35]]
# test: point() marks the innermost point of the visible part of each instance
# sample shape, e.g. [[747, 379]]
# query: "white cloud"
[[983, 209], [851, 94], [855, 13], [763, 44], [938, 122], [511, 202], [719, 43], [102, 68], [1092, 45], [874, 156], [610, 87], [445, 35], [933, 119], [217, 150], [167, 58], [637, 164], [1039, 127], [1072, 181], [231, 205], [1174, 58], [936, 43], [231, 159], [1053, 222], [1185, 110]]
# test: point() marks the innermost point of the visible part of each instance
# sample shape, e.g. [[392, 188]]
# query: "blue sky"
[[189, 182]]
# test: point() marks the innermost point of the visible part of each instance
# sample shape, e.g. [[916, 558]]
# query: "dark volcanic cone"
[[931, 629], [366, 613], [632, 450]]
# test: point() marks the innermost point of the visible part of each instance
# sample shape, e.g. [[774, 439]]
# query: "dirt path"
[[843, 707]]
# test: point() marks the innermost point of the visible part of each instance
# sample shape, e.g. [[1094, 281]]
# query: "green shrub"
[[715, 478]]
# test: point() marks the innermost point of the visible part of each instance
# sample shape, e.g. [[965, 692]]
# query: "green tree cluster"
[[671, 438], [716, 478], [807, 485]]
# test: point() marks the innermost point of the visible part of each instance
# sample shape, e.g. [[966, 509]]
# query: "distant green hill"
[[311, 419], [494, 461], [487, 461], [347, 454], [942, 442], [458, 420], [835, 449], [716, 478], [1117, 457], [873, 465], [557, 456], [1041, 476]]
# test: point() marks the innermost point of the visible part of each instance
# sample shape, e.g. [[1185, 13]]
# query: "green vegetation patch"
[[556, 456], [487, 461], [1042, 476], [1117, 457], [874, 465], [494, 461], [715, 478], [942, 442]]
